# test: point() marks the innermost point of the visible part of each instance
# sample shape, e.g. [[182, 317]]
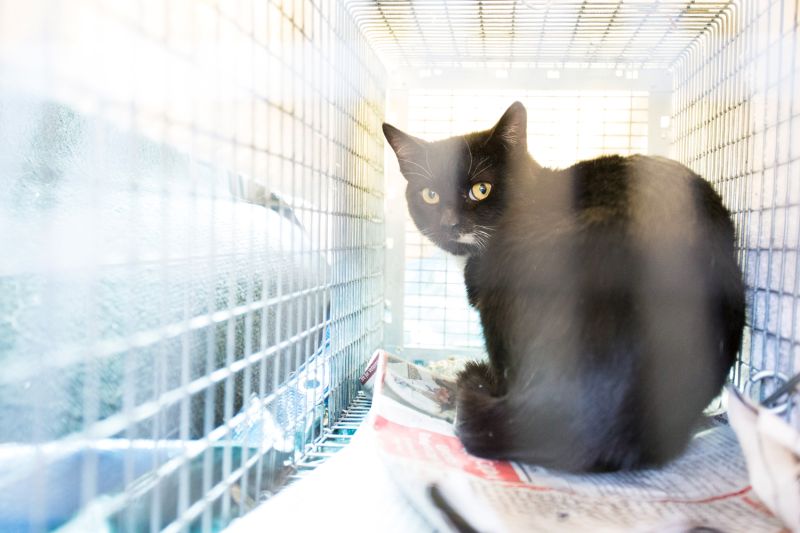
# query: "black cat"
[[611, 301]]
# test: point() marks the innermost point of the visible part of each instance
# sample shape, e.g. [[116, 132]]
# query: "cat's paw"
[[478, 376], [477, 410], [477, 426]]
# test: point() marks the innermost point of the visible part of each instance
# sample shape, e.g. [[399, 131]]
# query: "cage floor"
[[346, 487], [336, 437]]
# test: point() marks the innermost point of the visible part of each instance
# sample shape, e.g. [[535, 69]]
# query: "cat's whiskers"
[[427, 162], [482, 234], [424, 170], [420, 174], [482, 165], [484, 230], [469, 151]]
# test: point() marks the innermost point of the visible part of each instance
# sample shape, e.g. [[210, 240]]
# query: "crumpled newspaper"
[[771, 449], [450, 367]]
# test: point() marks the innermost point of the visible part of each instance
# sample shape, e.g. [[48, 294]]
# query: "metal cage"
[[192, 219], [202, 246]]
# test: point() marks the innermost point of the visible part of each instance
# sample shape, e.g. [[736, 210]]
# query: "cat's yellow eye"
[[429, 196], [480, 191]]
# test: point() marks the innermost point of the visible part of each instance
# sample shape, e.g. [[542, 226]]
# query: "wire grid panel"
[[564, 126], [737, 122], [193, 194], [523, 33]]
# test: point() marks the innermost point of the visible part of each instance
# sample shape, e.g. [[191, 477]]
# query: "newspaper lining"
[[412, 415], [772, 450]]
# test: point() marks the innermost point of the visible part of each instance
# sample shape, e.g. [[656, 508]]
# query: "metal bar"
[[733, 106]]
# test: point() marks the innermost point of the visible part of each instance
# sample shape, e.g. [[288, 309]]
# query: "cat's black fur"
[[611, 301]]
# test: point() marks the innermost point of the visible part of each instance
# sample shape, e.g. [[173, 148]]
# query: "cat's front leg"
[[470, 281]]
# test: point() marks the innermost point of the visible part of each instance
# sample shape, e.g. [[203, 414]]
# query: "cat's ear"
[[512, 128], [407, 147]]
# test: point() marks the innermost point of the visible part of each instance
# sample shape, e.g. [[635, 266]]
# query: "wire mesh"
[[525, 33], [737, 122], [193, 193]]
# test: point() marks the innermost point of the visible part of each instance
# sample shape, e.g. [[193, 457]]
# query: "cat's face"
[[457, 187]]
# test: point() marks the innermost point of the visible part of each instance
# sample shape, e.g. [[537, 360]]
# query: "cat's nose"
[[450, 221]]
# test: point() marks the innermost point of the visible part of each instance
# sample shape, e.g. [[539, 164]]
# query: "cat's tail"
[[494, 423]]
